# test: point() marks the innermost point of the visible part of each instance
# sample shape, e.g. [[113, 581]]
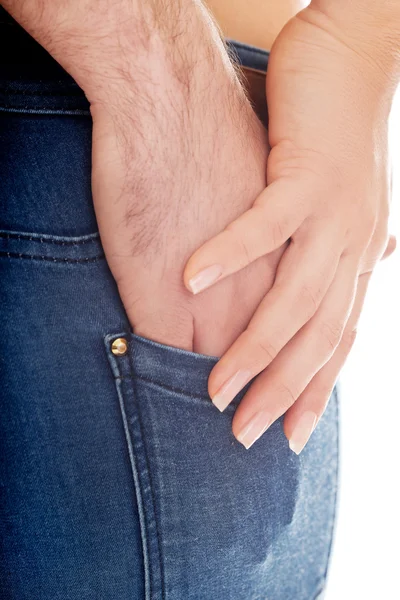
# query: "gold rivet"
[[119, 346]]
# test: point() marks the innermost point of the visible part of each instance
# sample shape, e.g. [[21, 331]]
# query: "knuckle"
[[267, 350], [287, 397], [276, 233], [263, 349], [332, 334], [310, 298], [242, 244]]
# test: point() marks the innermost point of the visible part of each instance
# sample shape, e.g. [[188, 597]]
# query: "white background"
[[366, 554]]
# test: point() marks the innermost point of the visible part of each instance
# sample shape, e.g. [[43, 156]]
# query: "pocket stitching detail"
[[50, 258], [49, 239], [120, 367], [206, 400], [51, 248]]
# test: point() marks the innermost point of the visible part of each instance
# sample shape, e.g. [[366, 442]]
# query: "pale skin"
[[180, 163]]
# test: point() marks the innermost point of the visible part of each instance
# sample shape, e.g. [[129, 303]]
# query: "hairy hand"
[[178, 153], [328, 191]]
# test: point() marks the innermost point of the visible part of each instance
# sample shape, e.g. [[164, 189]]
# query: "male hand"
[[178, 152]]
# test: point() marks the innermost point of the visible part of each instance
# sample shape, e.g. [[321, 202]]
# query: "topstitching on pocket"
[[20, 244]]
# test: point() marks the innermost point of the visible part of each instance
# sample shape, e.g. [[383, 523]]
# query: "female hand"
[[329, 99]]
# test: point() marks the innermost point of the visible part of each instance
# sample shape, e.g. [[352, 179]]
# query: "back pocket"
[[220, 521]]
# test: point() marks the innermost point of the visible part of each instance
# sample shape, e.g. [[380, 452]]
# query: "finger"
[[279, 386], [311, 404], [304, 275], [268, 224]]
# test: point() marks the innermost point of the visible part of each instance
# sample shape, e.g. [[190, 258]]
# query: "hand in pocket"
[[167, 177]]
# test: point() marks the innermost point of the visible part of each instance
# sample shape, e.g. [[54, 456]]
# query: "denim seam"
[[206, 399], [61, 108], [141, 472], [151, 486], [54, 110], [13, 92], [135, 472], [174, 390], [253, 49], [47, 240], [318, 594], [254, 71], [20, 255], [138, 340]]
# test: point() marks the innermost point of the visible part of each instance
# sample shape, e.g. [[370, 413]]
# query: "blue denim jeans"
[[119, 480]]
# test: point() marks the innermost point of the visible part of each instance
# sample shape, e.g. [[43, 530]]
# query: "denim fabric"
[[119, 480]]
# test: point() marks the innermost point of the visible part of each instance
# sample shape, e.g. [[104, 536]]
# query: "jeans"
[[119, 480]]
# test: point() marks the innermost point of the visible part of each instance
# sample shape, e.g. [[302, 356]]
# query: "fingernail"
[[302, 432], [205, 278], [254, 428], [230, 388]]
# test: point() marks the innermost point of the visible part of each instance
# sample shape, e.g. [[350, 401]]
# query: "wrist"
[[163, 60], [108, 46]]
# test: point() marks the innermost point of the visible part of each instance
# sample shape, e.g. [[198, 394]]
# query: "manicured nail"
[[254, 428], [228, 391], [205, 278], [301, 433]]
